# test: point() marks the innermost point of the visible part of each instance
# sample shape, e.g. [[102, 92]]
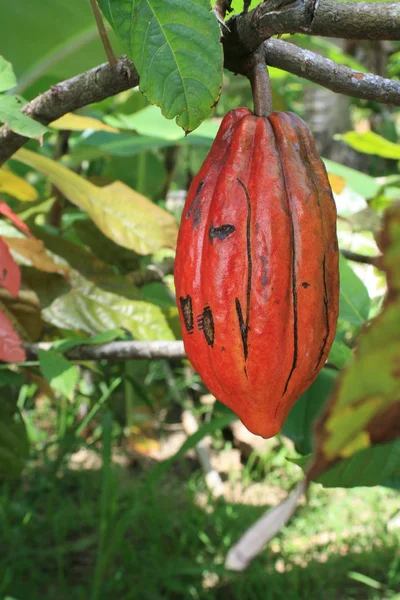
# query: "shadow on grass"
[[75, 538]]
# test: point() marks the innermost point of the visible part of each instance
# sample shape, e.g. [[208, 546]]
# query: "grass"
[[104, 535]]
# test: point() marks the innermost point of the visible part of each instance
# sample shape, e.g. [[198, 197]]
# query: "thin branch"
[[329, 74], [329, 18], [221, 7], [112, 59], [116, 351], [361, 258], [88, 87]]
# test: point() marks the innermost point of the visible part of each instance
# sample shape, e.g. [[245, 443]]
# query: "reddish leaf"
[[10, 274], [10, 343], [10, 214]]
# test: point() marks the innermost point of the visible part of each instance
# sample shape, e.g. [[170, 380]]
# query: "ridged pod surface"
[[256, 270]]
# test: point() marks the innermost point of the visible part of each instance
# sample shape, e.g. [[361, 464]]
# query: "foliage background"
[[96, 499]]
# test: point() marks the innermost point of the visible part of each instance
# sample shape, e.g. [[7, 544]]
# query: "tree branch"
[[88, 87], [116, 351], [329, 74], [329, 18], [247, 32]]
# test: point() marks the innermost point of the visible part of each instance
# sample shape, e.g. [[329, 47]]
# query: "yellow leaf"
[[337, 183], [26, 312], [16, 186], [144, 445], [34, 252], [126, 217], [361, 441], [72, 122]]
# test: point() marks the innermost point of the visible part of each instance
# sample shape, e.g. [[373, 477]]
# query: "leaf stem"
[[112, 59]]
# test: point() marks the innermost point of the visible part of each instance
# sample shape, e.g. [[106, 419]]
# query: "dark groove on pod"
[[326, 305], [244, 325], [220, 233], [295, 315], [187, 312], [205, 323], [195, 207]]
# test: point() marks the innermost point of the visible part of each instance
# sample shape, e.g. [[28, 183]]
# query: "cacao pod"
[[256, 269]]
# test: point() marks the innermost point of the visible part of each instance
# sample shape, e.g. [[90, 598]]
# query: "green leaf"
[[371, 143], [300, 422], [354, 302], [104, 249], [377, 465], [7, 75], [154, 132], [122, 144], [82, 260], [125, 144], [63, 346], [176, 49], [88, 308], [14, 444], [10, 107], [8, 377], [150, 122], [364, 185], [61, 375], [339, 355], [47, 286]]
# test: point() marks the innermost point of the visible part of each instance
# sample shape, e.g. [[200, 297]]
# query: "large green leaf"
[[354, 303], [61, 375], [125, 144], [88, 308], [150, 122], [377, 465], [101, 247], [154, 132], [299, 424], [176, 49], [339, 354], [83, 260], [371, 143], [365, 409]]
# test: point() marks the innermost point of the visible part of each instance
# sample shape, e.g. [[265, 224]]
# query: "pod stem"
[[261, 88]]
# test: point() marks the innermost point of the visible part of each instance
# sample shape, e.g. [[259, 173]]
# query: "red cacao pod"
[[256, 269]]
